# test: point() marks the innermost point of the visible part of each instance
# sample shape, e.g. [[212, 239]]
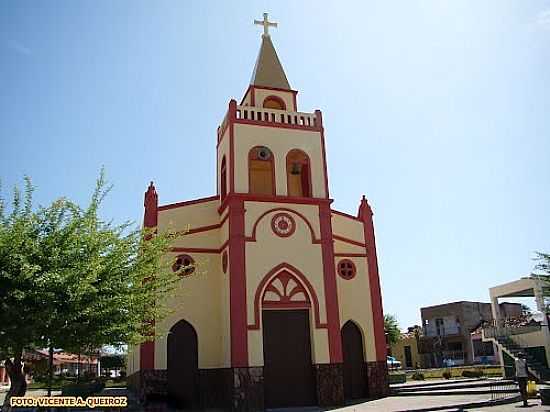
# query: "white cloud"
[[542, 21]]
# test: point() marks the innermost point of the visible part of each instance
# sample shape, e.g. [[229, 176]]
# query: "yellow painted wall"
[[194, 215], [298, 251], [223, 150], [133, 359], [280, 141], [398, 350], [349, 228], [345, 247], [198, 301], [355, 303]]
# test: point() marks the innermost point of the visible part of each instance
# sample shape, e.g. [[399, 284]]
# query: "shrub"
[[472, 373], [397, 378], [447, 374], [417, 376], [83, 389]]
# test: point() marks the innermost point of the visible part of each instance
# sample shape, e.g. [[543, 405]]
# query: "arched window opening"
[[261, 171], [298, 174], [274, 102], [223, 180]]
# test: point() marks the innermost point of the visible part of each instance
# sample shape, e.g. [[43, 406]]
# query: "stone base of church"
[[242, 389], [377, 379], [248, 389], [330, 384], [148, 384]]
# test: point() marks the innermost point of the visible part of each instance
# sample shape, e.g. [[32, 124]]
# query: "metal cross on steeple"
[[266, 24]]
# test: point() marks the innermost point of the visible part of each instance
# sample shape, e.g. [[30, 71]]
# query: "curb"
[[461, 406]]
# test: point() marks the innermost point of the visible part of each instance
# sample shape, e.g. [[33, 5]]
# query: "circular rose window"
[[346, 269], [184, 264], [224, 261], [283, 224]]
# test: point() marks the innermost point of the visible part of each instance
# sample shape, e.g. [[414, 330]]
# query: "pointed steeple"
[[268, 71]]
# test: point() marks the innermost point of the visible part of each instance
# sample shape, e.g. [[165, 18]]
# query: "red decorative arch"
[[252, 238], [285, 290], [281, 296]]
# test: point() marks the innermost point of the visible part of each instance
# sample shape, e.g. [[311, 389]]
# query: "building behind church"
[[288, 311]]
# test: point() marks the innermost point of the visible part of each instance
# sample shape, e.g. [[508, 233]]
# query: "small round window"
[[184, 265], [347, 269]]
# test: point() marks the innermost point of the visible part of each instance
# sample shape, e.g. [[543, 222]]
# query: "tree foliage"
[[391, 327], [74, 281], [542, 272]]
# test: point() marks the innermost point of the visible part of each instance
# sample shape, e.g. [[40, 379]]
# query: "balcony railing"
[[260, 115], [263, 115], [501, 331]]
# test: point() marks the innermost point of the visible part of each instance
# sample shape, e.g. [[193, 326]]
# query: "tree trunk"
[[50, 371], [18, 384], [78, 368]]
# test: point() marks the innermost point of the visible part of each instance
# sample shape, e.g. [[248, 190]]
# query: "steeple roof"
[[268, 71]]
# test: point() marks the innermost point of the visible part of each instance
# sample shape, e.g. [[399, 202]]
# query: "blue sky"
[[437, 111]]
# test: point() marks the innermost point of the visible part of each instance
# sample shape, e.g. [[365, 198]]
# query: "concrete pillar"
[[495, 309]]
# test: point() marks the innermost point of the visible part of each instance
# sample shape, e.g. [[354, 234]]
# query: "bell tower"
[[266, 147]]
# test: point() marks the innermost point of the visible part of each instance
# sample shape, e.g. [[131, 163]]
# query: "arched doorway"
[[355, 381], [289, 379], [298, 174], [183, 365]]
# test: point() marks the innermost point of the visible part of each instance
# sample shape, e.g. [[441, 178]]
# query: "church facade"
[[285, 308]]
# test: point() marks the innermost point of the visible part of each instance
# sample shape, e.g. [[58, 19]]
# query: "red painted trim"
[[295, 200], [223, 178], [284, 306], [300, 279], [277, 89], [337, 212], [350, 241], [200, 250], [365, 213], [330, 287], [350, 255], [252, 156], [224, 261], [277, 99], [150, 220], [237, 285], [250, 89], [147, 355], [252, 238], [308, 166], [276, 125], [231, 115], [188, 203]]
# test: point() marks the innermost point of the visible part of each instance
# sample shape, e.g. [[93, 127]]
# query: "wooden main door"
[[288, 371], [355, 382], [182, 359]]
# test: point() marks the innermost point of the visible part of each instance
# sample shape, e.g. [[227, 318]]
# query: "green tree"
[[542, 273], [391, 327], [71, 280]]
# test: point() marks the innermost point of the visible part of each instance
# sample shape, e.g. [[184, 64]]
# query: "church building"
[[285, 308]]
